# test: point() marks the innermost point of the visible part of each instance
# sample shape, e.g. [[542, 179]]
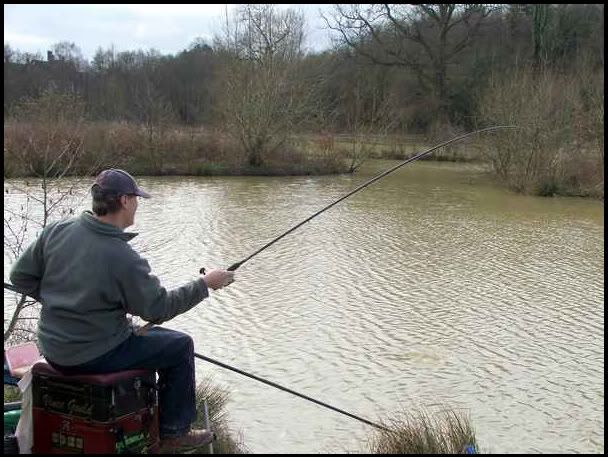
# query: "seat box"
[[61, 434], [98, 397]]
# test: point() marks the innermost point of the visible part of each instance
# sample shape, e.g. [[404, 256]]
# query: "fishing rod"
[[11, 287], [293, 392], [236, 265]]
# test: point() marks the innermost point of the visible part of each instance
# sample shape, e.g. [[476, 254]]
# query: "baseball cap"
[[119, 182]]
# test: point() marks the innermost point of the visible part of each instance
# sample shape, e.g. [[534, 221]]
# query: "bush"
[[560, 139], [446, 432], [179, 151]]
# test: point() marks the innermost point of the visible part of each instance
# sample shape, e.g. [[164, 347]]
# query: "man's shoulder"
[[121, 251], [59, 224]]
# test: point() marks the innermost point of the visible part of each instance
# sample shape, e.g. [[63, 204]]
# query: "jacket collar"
[[90, 221]]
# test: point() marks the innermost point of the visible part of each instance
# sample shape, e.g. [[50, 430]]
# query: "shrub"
[[447, 432]]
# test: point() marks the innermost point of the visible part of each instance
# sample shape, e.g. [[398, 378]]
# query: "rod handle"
[[142, 330], [232, 267]]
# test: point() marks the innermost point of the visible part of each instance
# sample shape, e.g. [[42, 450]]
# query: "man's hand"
[[216, 279]]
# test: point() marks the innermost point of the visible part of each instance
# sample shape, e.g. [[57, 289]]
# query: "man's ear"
[[123, 200]]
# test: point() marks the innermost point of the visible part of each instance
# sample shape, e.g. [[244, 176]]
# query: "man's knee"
[[185, 341]]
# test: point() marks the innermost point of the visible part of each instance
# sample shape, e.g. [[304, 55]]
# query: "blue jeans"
[[171, 354]]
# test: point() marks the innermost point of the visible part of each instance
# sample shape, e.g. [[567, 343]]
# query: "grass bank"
[[30, 148], [425, 432]]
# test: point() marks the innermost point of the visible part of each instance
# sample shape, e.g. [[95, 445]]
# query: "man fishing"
[[87, 278]]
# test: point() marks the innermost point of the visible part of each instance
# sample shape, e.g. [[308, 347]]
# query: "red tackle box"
[[100, 413]]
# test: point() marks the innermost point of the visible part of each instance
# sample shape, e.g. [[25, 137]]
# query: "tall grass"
[[446, 432], [178, 150], [199, 151], [228, 442]]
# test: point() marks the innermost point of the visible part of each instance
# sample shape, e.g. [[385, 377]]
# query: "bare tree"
[[424, 38], [156, 115], [263, 98], [590, 115], [68, 52], [368, 113], [44, 136], [560, 143]]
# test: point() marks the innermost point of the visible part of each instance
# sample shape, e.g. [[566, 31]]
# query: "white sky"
[[167, 28]]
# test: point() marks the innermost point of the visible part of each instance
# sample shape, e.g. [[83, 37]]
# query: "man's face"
[[130, 206]]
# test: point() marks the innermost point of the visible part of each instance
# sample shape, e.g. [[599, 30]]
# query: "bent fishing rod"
[[238, 264], [235, 266], [414, 158]]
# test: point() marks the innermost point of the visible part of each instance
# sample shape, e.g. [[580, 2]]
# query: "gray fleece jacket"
[[87, 278]]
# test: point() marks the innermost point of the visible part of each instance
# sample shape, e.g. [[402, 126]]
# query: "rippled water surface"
[[430, 288]]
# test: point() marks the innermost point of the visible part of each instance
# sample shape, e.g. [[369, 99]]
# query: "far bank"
[[34, 149]]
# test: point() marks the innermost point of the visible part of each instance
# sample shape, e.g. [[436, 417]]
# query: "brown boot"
[[194, 438]]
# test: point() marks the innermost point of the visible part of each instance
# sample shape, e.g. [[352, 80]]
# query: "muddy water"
[[432, 288]]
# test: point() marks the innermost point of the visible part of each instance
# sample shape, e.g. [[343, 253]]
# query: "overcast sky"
[[167, 28]]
